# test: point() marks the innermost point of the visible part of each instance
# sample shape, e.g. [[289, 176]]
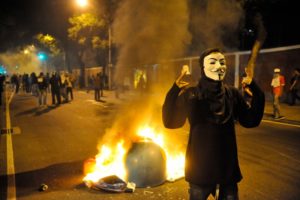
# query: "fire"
[[110, 160]]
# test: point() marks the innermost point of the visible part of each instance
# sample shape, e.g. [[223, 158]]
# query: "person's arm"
[[173, 112], [294, 81], [251, 116]]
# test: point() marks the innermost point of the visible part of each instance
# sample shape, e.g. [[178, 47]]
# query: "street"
[[50, 145]]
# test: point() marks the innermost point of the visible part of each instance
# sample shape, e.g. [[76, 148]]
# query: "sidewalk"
[[291, 113]]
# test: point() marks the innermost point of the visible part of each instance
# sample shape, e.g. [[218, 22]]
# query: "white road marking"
[[97, 103], [281, 123], [11, 184]]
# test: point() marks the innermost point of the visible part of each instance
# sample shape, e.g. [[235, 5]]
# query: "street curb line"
[[11, 184], [281, 123]]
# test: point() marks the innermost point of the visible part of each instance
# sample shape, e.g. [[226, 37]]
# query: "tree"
[[87, 31], [53, 47], [49, 42]]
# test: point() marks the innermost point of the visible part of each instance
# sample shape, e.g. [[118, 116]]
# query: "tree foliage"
[[86, 29], [49, 42]]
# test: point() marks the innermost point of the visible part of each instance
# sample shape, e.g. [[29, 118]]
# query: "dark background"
[[20, 20]]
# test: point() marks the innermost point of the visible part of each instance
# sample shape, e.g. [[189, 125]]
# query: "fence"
[[285, 58]]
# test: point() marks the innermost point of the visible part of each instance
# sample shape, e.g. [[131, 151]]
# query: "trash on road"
[[111, 184]]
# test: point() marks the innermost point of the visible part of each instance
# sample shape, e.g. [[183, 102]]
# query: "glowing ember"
[[110, 160]]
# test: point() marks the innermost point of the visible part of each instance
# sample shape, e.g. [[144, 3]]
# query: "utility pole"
[[110, 66]]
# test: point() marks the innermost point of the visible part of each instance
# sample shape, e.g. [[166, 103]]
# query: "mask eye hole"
[[222, 62]]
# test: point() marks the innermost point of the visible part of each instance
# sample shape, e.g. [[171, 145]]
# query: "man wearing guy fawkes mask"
[[212, 108]]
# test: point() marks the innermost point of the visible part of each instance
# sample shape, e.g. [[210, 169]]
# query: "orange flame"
[[110, 160]]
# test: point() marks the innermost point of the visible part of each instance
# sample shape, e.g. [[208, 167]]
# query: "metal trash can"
[[145, 164]]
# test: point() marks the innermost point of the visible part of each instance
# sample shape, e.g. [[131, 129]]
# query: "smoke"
[[148, 31], [215, 23], [20, 62], [131, 117]]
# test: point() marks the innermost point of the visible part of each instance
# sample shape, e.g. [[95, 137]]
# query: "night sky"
[[21, 19]]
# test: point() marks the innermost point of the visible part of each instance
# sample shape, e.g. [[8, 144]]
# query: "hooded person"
[[212, 108]]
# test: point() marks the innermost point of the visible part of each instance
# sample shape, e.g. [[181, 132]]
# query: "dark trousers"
[[226, 192], [55, 96], [97, 94], [69, 92], [1, 97], [294, 96]]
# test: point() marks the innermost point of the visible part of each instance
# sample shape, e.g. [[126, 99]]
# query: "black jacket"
[[2, 79], [211, 155], [42, 83]]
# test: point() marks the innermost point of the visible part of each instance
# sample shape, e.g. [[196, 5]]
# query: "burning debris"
[[111, 184], [145, 163]]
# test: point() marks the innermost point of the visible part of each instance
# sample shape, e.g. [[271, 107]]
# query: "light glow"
[[82, 3], [110, 159]]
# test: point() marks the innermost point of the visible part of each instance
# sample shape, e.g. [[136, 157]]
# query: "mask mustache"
[[220, 70]]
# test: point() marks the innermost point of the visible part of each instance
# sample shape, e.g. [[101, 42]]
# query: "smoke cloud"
[[20, 63], [215, 23], [148, 31]]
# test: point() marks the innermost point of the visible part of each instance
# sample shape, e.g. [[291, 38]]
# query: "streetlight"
[[43, 58], [109, 57], [82, 3], [109, 68]]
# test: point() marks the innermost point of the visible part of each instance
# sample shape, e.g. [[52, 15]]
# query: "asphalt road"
[[54, 142]]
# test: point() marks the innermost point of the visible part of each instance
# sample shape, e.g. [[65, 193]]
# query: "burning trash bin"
[[145, 164], [143, 161]]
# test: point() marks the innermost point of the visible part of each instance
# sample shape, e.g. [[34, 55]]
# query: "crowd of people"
[[59, 85]]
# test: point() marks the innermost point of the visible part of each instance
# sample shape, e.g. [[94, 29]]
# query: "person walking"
[[14, 80], [34, 84], [42, 90], [141, 85], [102, 83], [55, 83], [212, 108], [295, 86], [2, 79], [69, 87], [97, 86], [63, 87], [278, 82], [90, 83]]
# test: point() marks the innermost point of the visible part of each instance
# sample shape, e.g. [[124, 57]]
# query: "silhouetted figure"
[[212, 108], [2, 79], [97, 86], [42, 89], [295, 86], [55, 83], [141, 85], [278, 82]]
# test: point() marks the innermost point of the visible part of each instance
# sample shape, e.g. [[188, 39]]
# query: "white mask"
[[215, 66]]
